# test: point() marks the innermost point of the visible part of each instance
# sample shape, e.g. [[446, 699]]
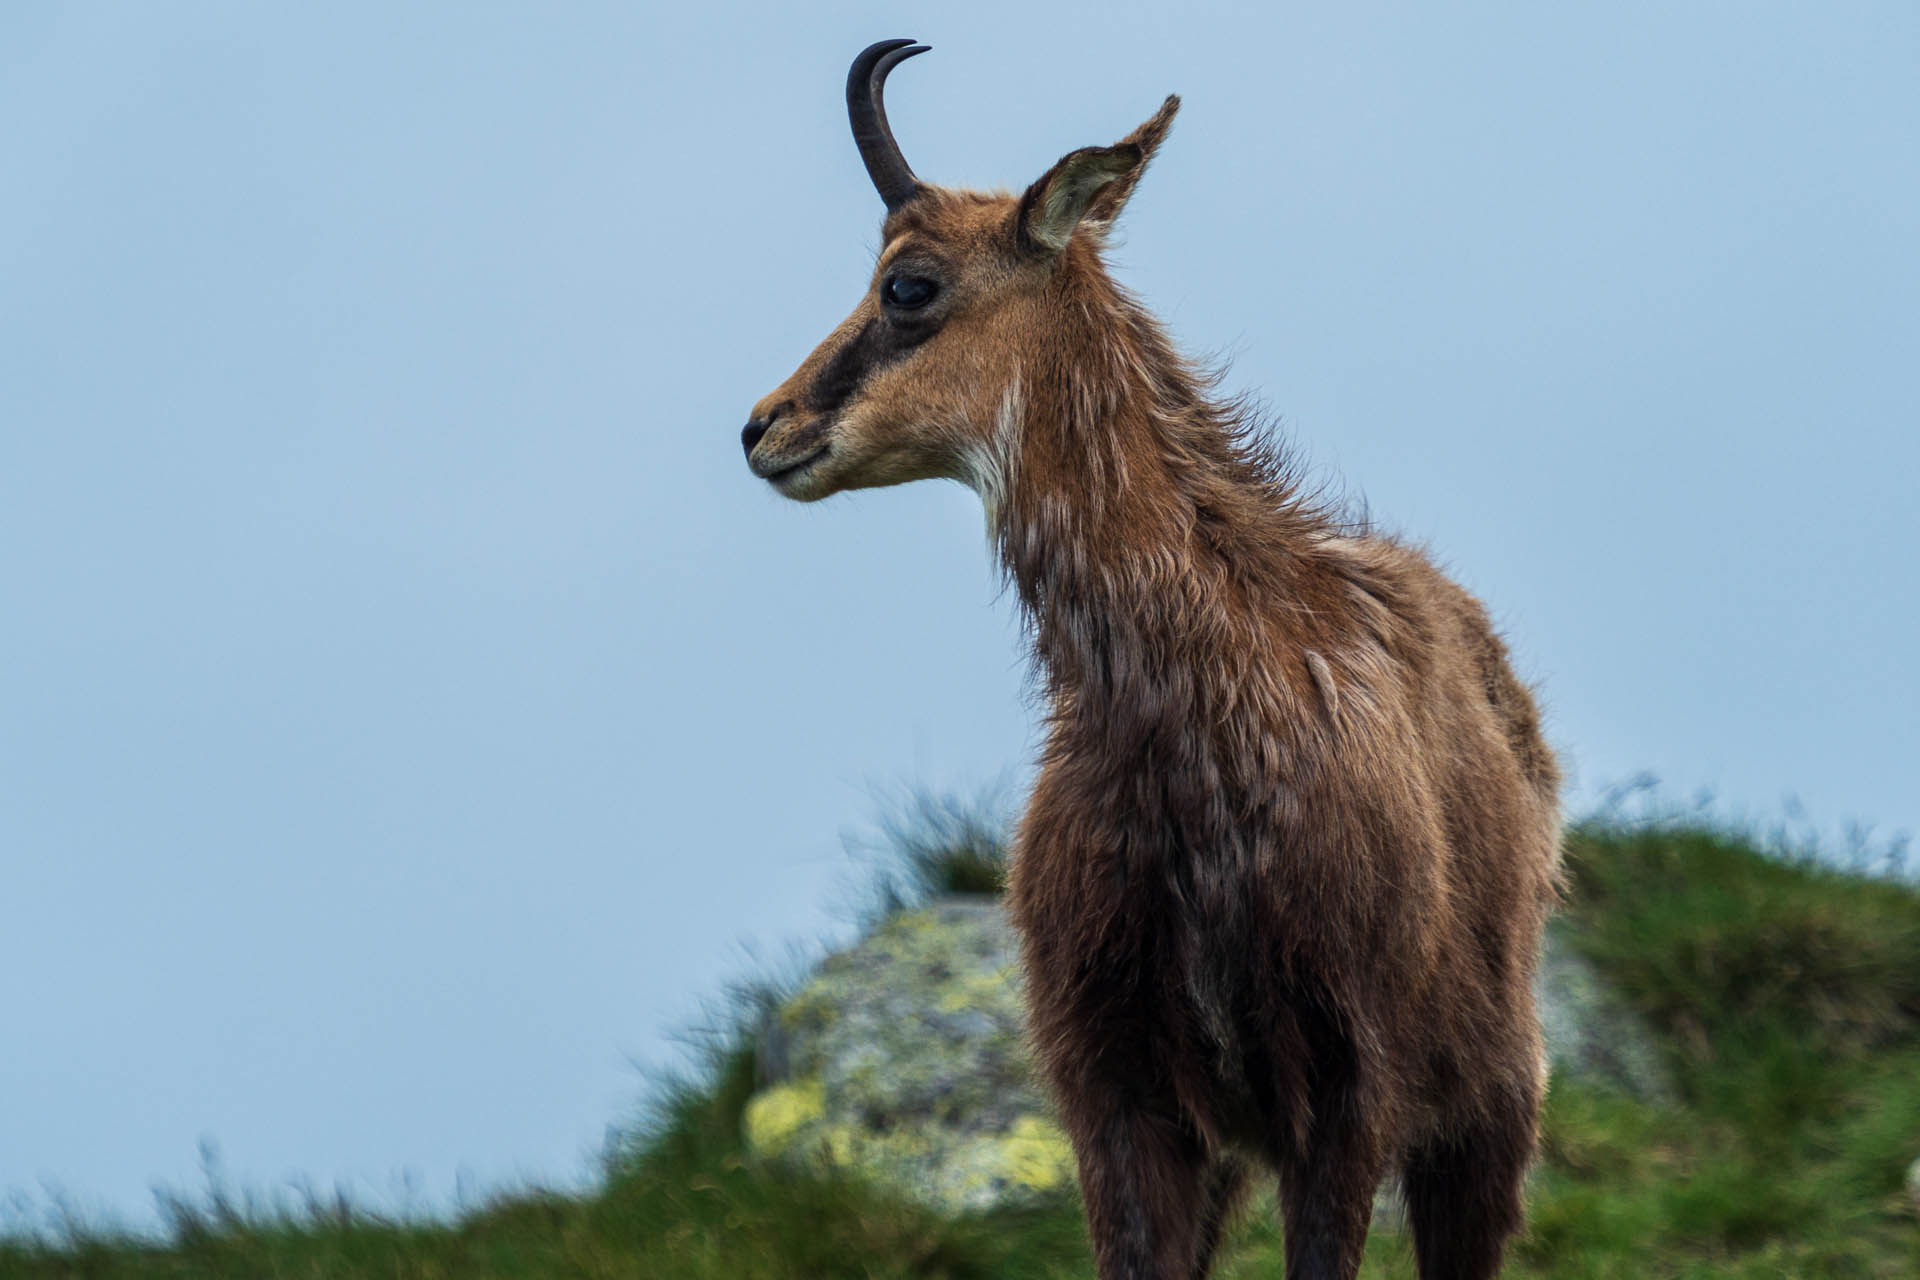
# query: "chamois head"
[[923, 378]]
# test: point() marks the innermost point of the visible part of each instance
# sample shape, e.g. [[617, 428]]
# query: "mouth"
[[793, 469]]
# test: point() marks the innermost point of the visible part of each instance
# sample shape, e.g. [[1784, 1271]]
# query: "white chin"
[[804, 485]]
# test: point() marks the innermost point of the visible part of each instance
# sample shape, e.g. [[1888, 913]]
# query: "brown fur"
[[1284, 873]]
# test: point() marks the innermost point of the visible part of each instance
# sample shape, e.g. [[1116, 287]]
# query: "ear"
[[1088, 188]]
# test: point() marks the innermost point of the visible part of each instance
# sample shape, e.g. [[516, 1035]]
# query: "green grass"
[[1787, 993], [934, 843]]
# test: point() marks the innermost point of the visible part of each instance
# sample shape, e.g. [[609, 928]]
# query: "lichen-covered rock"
[[904, 1059], [1591, 1033]]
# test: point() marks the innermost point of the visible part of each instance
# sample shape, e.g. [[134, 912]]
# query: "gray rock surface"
[[1591, 1033], [903, 1058]]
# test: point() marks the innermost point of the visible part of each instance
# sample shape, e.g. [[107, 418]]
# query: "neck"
[[1138, 523]]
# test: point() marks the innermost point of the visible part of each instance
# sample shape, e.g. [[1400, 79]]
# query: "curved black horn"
[[867, 109]]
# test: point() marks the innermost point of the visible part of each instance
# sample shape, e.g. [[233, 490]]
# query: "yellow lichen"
[[811, 1010], [1036, 1154], [976, 991], [843, 1145], [774, 1117], [908, 922]]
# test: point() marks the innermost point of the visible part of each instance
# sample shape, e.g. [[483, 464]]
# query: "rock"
[[1913, 1185], [1591, 1033], [904, 1059]]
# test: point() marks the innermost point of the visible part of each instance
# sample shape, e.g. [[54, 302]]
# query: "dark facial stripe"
[[879, 343]]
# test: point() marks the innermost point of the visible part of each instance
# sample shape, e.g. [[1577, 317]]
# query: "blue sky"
[[412, 708]]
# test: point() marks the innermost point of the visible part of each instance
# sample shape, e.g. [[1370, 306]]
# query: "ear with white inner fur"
[[1088, 188]]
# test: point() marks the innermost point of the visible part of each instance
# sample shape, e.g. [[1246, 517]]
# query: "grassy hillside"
[[1787, 993]]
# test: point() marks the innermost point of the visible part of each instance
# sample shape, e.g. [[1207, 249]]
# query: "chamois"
[[1295, 834]]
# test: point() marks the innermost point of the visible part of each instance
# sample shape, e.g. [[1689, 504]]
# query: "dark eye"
[[910, 293]]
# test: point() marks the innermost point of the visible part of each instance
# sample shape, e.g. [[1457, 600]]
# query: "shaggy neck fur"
[[1150, 539]]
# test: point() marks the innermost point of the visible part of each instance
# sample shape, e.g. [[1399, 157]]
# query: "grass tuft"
[[936, 843]]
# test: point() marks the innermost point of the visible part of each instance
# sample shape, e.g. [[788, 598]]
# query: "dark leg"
[[1326, 1191], [1464, 1191], [1226, 1178], [1142, 1177]]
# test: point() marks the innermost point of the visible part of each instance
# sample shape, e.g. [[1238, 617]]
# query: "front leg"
[[1107, 1039], [1144, 1168], [1144, 1173], [1327, 1190]]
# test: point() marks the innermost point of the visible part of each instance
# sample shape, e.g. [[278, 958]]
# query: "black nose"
[[758, 427]]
